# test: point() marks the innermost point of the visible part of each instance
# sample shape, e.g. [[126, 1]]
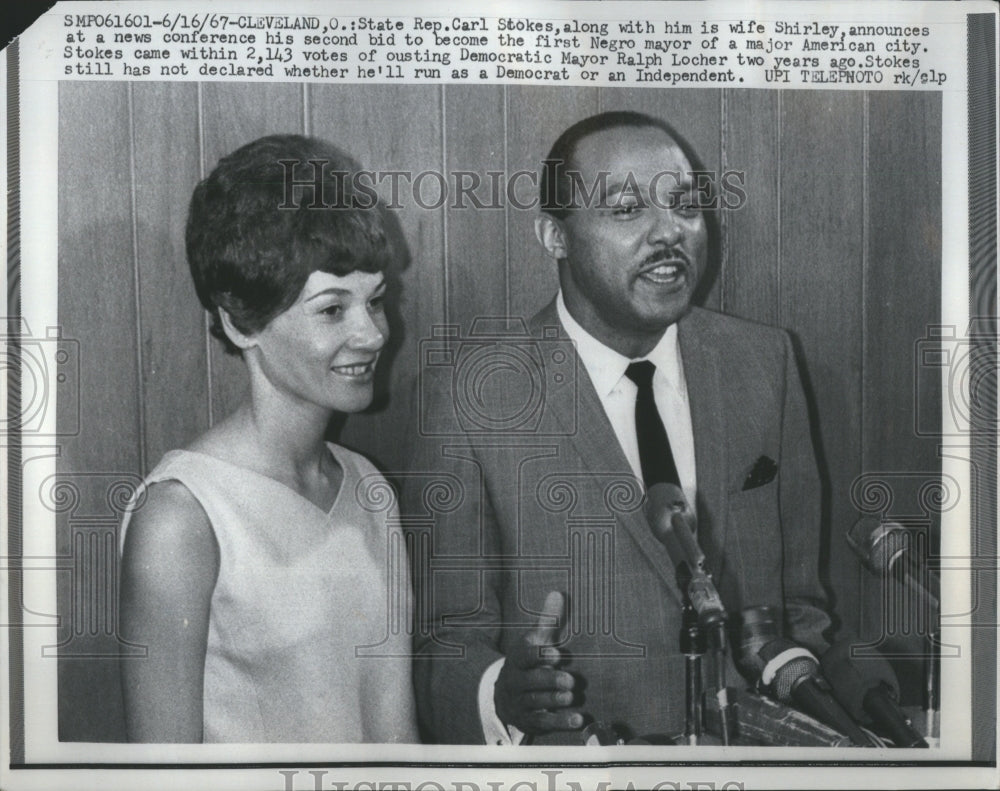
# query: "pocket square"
[[763, 471]]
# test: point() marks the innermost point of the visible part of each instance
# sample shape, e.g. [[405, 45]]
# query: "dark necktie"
[[655, 456]]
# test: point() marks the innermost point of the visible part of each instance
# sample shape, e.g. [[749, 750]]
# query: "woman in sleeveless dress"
[[261, 565]]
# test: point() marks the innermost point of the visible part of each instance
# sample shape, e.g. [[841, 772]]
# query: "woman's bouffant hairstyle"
[[269, 215]]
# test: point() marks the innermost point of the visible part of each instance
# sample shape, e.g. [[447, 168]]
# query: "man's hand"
[[531, 693]]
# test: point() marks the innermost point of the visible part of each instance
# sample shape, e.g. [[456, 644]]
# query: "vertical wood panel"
[[535, 118], [387, 128], [822, 139], [175, 389], [97, 308], [902, 297], [477, 247], [749, 280], [234, 114], [903, 276], [695, 114], [96, 272]]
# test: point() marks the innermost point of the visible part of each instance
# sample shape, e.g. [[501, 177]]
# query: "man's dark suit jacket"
[[542, 498]]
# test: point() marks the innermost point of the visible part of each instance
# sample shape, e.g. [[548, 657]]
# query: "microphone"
[[670, 519], [887, 549], [673, 525], [765, 720], [759, 627], [868, 689], [790, 671]]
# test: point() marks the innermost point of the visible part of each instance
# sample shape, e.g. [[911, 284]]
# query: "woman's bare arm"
[[170, 564]]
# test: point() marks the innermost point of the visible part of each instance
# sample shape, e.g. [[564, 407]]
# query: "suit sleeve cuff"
[[494, 731]]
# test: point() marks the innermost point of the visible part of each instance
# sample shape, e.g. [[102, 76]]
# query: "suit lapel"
[[703, 372], [595, 444]]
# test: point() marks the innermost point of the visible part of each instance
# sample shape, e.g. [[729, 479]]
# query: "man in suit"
[[547, 603]]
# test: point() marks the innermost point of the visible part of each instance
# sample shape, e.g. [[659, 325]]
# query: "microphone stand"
[[673, 525], [693, 647], [932, 672], [700, 585], [916, 578], [721, 692]]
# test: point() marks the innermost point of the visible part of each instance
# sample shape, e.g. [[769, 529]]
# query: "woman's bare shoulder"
[[170, 538]]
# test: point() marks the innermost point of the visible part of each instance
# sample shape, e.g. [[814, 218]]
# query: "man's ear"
[[240, 339], [551, 236]]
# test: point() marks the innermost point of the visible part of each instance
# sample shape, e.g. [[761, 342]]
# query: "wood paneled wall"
[[839, 242]]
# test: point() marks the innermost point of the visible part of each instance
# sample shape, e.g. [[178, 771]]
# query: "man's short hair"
[[254, 237], [556, 188]]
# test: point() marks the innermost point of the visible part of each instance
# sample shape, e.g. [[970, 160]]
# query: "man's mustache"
[[666, 255]]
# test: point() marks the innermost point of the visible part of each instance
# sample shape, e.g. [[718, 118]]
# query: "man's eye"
[[377, 303], [625, 209]]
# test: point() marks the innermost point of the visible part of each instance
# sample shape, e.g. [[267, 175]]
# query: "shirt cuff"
[[494, 731]]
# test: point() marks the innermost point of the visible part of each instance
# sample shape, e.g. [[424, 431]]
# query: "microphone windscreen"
[[878, 544], [888, 542], [785, 663], [852, 678], [890, 550], [664, 498], [788, 674]]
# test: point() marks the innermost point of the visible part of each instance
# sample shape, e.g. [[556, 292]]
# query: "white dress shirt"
[[617, 393]]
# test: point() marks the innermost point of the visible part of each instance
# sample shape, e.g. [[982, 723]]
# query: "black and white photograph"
[[438, 413]]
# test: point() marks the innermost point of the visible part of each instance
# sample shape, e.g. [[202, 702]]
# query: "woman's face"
[[323, 349]]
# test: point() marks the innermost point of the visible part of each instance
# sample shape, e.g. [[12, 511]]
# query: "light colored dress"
[[308, 637]]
